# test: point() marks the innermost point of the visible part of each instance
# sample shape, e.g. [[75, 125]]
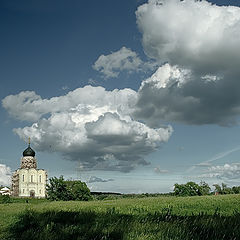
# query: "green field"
[[205, 217]]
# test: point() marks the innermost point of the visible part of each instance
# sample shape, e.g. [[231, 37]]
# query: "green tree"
[[236, 189], [79, 190], [224, 189], [59, 189], [191, 189], [218, 188], [204, 188], [188, 189]]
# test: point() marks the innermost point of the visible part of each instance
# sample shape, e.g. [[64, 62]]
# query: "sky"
[[129, 96]]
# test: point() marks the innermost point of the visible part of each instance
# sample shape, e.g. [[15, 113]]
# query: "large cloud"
[[5, 175], [89, 125], [180, 95], [195, 34], [27, 105], [200, 41]]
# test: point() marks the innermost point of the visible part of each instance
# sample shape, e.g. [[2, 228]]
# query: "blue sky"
[[173, 116]]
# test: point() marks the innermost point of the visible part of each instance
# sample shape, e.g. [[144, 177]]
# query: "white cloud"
[[200, 42], [226, 171], [161, 97], [122, 60], [5, 175], [167, 76], [27, 105], [21, 107], [180, 95], [196, 34], [89, 125], [218, 156]]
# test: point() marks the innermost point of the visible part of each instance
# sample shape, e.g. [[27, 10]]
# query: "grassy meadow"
[[204, 217]]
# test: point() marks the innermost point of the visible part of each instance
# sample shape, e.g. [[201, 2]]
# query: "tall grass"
[[112, 225], [210, 217]]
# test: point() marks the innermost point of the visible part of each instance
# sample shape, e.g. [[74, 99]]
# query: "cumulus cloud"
[[5, 175], [226, 171], [180, 95], [89, 125], [29, 106], [196, 34], [122, 60], [200, 82], [94, 179]]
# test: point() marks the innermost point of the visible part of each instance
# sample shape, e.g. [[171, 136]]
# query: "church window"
[[40, 178], [23, 178], [40, 191], [23, 190], [31, 178]]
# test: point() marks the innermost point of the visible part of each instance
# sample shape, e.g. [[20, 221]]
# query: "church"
[[28, 181]]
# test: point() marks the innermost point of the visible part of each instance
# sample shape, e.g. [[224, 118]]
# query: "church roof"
[[29, 152]]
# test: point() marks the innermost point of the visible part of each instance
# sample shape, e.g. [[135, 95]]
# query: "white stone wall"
[[32, 180]]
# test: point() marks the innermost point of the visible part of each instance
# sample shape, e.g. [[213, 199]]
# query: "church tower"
[[28, 181]]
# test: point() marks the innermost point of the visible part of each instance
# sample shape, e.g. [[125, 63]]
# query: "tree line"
[[70, 190], [194, 189], [59, 189]]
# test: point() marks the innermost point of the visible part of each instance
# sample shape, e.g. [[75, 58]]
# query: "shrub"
[[5, 199]]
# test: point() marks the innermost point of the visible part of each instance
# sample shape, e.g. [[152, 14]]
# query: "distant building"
[[28, 181], [5, 191]]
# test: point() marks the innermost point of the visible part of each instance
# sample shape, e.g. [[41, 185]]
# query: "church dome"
[[28, 152]]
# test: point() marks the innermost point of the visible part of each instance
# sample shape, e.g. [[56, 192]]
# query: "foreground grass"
[[208, 217]]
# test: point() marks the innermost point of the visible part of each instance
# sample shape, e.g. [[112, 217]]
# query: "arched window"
[[23, 178], [31, 178], [40, 191], [40, 178], [23, 190]]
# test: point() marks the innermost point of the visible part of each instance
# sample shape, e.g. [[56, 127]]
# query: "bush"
[[236, 190], [5, 199]]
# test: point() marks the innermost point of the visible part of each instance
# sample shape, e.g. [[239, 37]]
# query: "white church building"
[[28, 181]]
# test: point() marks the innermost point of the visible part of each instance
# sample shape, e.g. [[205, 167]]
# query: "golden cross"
[[29, 141]]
